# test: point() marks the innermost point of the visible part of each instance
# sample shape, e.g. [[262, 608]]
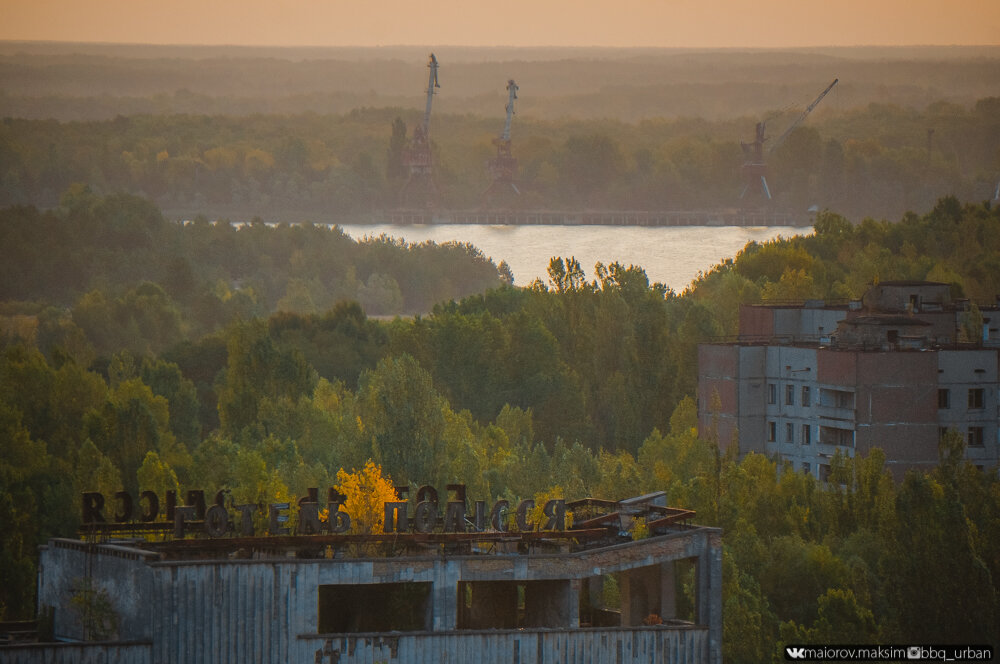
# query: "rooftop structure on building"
[[401, 596], [895, 370]]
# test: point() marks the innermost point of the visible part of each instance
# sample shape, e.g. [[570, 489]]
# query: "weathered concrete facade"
[[892, 381], [463, 606]]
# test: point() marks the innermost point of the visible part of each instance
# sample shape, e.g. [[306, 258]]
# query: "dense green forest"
[[297, 135], [140, 373]]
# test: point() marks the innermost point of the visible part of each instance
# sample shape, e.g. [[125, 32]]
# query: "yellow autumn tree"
[[537, 517], [367, 491]]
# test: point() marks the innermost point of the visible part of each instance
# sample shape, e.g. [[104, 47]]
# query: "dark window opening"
[[513, 605], [375, 607], [789, 395], [975, 398], [975, 436], [944, 399]]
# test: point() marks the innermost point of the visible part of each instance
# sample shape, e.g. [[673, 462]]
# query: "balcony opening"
[[514, 605], [375, 607]]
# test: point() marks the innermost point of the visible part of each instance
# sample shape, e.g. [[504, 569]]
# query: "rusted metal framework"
[[419, 189], [755, 167], [503, 167]]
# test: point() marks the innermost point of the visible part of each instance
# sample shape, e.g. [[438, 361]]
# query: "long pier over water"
[[595, 218]]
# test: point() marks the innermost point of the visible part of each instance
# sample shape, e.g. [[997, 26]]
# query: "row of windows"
[[772, 395], [975, 400], [772, 433], [827, 435], [824, 470], [974, 436], [976, 397]]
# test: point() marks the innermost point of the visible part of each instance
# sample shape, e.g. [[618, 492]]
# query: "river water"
[[671, 255]]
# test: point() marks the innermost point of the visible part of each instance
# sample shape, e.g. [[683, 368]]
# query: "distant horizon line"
[[632, 47]]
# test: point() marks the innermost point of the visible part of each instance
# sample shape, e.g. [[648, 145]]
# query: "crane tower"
[[755, 168], [419, 188], [503, 167]]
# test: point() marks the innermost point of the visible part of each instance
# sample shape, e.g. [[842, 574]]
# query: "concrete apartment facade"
[[803, 382]]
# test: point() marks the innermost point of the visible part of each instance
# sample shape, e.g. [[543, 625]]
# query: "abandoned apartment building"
[[422, 591], [895, 370]]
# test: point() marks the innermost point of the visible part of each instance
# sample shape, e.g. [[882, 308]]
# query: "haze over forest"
[[92, 82], [297, 134]]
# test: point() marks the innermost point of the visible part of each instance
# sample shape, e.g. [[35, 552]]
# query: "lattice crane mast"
[[503, 167], [755, 168], [432, 83], [420, 187]]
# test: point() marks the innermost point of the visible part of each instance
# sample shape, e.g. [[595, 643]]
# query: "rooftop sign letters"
[[124, 514]]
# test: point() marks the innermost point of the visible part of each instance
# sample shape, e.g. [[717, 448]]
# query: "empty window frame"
[[944, 398], [789, 395], [975, 398], [374, 607]]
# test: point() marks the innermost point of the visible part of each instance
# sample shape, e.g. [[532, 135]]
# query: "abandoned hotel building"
[[895, 370], [431, 586]]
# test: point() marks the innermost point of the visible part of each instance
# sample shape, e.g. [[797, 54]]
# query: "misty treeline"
[[101, 81], [148, 282], [303, 135], [578, 386], [874, 161]]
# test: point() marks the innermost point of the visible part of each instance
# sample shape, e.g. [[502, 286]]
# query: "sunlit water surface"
[[670, 255]]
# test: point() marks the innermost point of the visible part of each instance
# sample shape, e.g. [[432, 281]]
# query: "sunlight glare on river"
[[671, 255]]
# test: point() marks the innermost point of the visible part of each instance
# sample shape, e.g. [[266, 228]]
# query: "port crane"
[[755, 167], [503, 167], [419, 186]]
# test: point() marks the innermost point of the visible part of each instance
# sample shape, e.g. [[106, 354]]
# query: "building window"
[[789, 433], [772, 431], [975, 436], [375, 607], [944, 399], [789, 395], [975, 398], [806, 468], [836, 399], [806, 396], [772, 393], [835, 436], [806, 434], [824, 472]]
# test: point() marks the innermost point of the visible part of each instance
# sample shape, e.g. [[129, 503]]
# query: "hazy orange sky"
[[670, 23]]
